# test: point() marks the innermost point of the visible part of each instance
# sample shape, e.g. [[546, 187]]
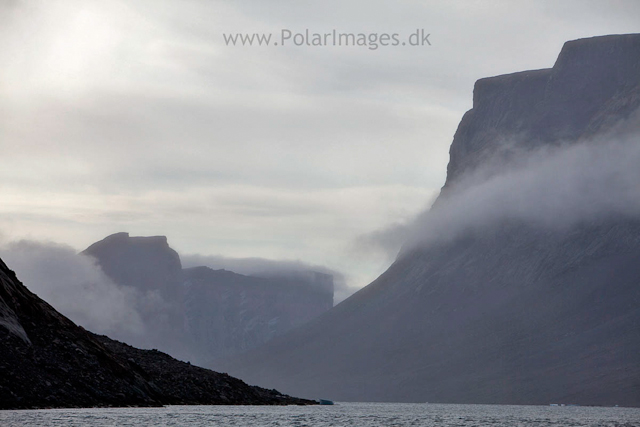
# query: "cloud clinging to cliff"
[[76, 286], [550, 188]]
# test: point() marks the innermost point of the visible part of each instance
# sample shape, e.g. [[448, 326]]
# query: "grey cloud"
[[384, 242], [555, 188], [149, 143], [75, 286]]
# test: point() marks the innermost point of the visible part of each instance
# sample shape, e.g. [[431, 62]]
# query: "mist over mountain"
[[550, 187], [201, 314], [76, 286], [520, 284], [151, 269], [134, 289], [270, 269]]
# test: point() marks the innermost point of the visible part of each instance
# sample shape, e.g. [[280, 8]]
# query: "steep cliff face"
[[228, 313], [593, 85], [512, 311], [48, 361], [153, 269], [145, 263], [201, 314]]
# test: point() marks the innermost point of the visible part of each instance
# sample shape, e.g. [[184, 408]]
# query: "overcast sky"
[[135, 116]]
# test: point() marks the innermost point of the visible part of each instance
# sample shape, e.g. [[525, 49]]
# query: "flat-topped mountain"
[[522, 284], [153, 270], [592, 86], [146, 263], [46, 361], [201, 314]]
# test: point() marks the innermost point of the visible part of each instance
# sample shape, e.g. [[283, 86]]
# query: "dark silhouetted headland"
[[46, 361]]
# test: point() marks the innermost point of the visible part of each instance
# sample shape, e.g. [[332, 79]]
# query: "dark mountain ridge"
[[46, 361], [510, 312]]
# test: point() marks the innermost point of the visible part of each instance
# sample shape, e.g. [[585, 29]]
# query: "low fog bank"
[[555, 188], [74, 285], [261, 267]]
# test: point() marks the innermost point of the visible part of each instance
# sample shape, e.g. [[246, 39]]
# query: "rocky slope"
[[513, 312], [47, 361]]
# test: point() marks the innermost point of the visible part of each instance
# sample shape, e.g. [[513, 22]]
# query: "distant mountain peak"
[[202, 314]]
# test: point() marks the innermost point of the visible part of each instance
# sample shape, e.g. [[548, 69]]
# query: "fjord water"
[[341, 414]]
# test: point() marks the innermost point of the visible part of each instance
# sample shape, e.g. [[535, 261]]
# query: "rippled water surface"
[[341, 414]]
